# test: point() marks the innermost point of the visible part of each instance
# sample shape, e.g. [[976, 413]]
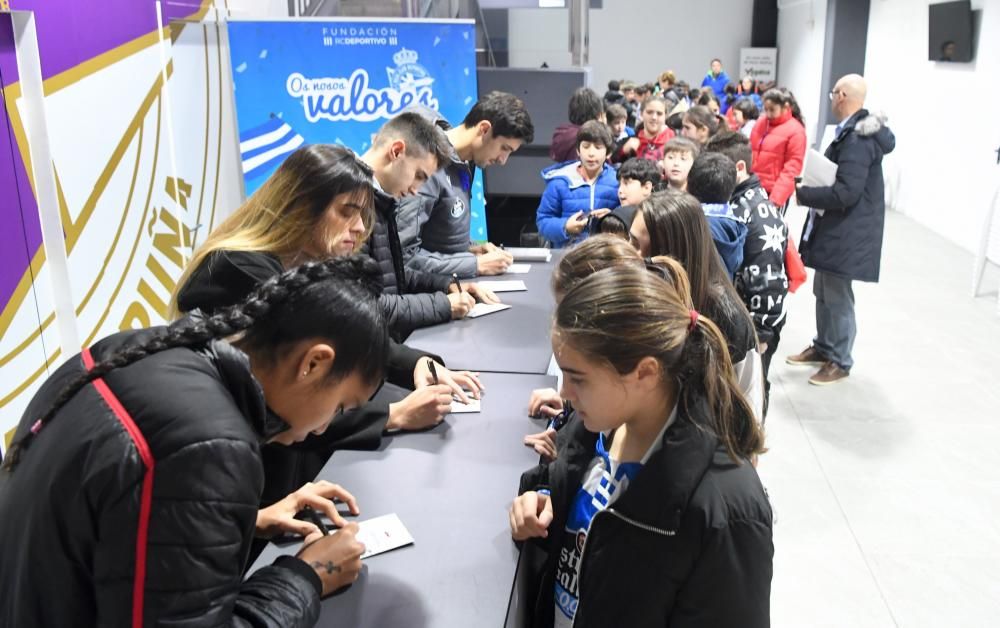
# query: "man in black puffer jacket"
[[842, 238], [405, 153], [411, 298]]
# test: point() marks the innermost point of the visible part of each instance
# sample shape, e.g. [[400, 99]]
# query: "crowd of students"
[[150, 469]]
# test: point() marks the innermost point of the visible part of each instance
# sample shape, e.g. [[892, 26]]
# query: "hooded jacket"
[[435, 224], [717, 83], [761, 279], [140, 501], [563, 146], [687, 545], [778, 148], [410, 298], [846, 239], [728, 232], [566, 193]]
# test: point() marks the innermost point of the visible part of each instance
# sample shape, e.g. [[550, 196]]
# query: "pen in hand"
[[433, 370], [316, 520], [458, 284]]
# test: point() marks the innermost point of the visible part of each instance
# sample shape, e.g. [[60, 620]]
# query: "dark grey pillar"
[[843, 51]]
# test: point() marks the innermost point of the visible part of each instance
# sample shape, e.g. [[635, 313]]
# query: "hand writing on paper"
[[461, 304], [457, 381], [280, 518], [493, 263], [425, 407], [335, 558]]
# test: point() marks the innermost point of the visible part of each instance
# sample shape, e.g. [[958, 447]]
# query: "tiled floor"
[[886, 487]]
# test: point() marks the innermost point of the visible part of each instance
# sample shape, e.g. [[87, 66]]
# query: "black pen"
[[434, 373], [315, 519], [454, 277]]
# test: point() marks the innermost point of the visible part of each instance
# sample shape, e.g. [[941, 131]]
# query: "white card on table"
[[482, 309], [457, 407], [512, 285], [382, 534], [518, 269]]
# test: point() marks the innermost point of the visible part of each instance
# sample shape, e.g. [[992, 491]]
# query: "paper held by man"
[[818, 171]]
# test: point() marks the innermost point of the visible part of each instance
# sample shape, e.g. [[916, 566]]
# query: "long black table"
[[511, 341], [451, 487]]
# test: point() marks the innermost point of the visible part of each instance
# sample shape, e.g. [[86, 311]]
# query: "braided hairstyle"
[[335, 300], [624, 313]]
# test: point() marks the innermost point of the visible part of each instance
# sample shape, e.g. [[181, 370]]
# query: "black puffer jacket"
[[687, 545], [71, 534], [847, 239], [410, 298]]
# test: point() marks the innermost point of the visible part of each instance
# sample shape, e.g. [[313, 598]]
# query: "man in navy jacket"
[[842, 238]]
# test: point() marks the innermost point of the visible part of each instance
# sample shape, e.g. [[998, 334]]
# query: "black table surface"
[[451, 487], [511, 341]]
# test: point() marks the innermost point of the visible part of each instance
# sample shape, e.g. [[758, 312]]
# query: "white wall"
[[943, 116], [638, 39], [801, 33]]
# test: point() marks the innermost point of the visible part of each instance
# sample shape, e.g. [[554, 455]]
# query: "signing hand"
[[493, 263], [461, 304], [422, 408], [335, 558], [457, 381], [280, 517]]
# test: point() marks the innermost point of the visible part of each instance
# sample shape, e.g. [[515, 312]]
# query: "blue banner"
[[302, 82]]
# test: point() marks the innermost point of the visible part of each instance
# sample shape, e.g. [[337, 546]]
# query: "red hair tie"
[[694, 320]]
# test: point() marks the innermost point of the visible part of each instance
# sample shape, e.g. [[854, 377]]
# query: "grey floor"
[[886, 487]]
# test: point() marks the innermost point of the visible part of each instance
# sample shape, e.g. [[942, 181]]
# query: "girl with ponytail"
[[673, 224], [133, 483], [652, 514]]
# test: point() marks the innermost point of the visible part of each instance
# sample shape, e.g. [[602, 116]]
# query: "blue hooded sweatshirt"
[[566, 193], [728, 232], [717, 83]]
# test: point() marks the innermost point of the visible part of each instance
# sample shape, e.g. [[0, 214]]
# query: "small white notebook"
[[530, 254], [512, 285], [382, 534], [518, 269], [482, 309], [474, 405]]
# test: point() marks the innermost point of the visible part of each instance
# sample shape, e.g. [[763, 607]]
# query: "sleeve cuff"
[[300, 567]]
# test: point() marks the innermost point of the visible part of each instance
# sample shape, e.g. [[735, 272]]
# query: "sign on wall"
[[759, 63], [337, 81], [132, 197]]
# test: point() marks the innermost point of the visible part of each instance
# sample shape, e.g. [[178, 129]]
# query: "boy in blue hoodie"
[[577, 191], [712, 180]]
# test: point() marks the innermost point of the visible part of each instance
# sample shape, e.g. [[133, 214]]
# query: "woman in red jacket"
[[779, 145]]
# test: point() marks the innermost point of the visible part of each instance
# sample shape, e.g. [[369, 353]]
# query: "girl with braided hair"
[[317, 204], [651, 515], [130, 493]]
